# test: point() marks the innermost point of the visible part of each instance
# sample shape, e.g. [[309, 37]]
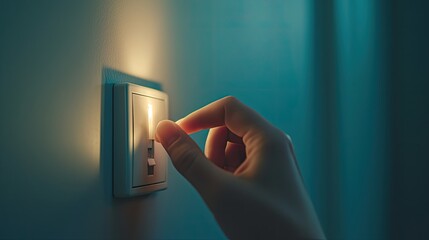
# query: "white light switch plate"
[[137, 111]]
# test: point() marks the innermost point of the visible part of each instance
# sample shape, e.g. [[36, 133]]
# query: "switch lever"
[[151, 157], [150, 148]]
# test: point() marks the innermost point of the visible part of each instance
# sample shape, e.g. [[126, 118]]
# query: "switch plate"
[[139, 162]]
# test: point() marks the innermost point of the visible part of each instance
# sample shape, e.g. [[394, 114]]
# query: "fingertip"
[[187, 157], [167, 133]]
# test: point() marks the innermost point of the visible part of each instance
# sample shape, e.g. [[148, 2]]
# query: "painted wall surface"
[[58, 59]]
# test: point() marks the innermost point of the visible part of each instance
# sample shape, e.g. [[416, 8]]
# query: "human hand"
[[248, 176]]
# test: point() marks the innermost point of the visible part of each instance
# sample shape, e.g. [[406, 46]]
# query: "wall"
[[57, 61]]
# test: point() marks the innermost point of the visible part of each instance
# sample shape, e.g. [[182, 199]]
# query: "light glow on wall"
[[140, 44]]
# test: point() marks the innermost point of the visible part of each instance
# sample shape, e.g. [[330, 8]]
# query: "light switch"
[[140, 163]]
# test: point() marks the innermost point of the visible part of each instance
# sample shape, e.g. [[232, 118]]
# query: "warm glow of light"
[[150, 120], [141, 42]]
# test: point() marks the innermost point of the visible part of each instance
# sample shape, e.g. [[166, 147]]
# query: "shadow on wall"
[[126, 213]]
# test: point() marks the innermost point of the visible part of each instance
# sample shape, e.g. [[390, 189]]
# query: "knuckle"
[[231, 100], [285, 139], [277, 139]]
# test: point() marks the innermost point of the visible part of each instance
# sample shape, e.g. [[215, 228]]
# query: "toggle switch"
[[139, 162], [150, 158], [151, 166], [150, 149]]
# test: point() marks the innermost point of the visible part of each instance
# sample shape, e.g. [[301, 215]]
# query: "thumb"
[[187, 157]]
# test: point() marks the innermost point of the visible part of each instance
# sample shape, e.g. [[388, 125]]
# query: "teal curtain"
[[372, 71]]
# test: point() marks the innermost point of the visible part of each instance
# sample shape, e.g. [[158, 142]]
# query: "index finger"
[[229, 112]]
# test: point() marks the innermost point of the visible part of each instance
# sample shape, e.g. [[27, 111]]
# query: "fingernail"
[[166, 133]]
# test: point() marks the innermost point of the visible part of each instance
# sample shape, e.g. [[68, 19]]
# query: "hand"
[[248, 176]]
